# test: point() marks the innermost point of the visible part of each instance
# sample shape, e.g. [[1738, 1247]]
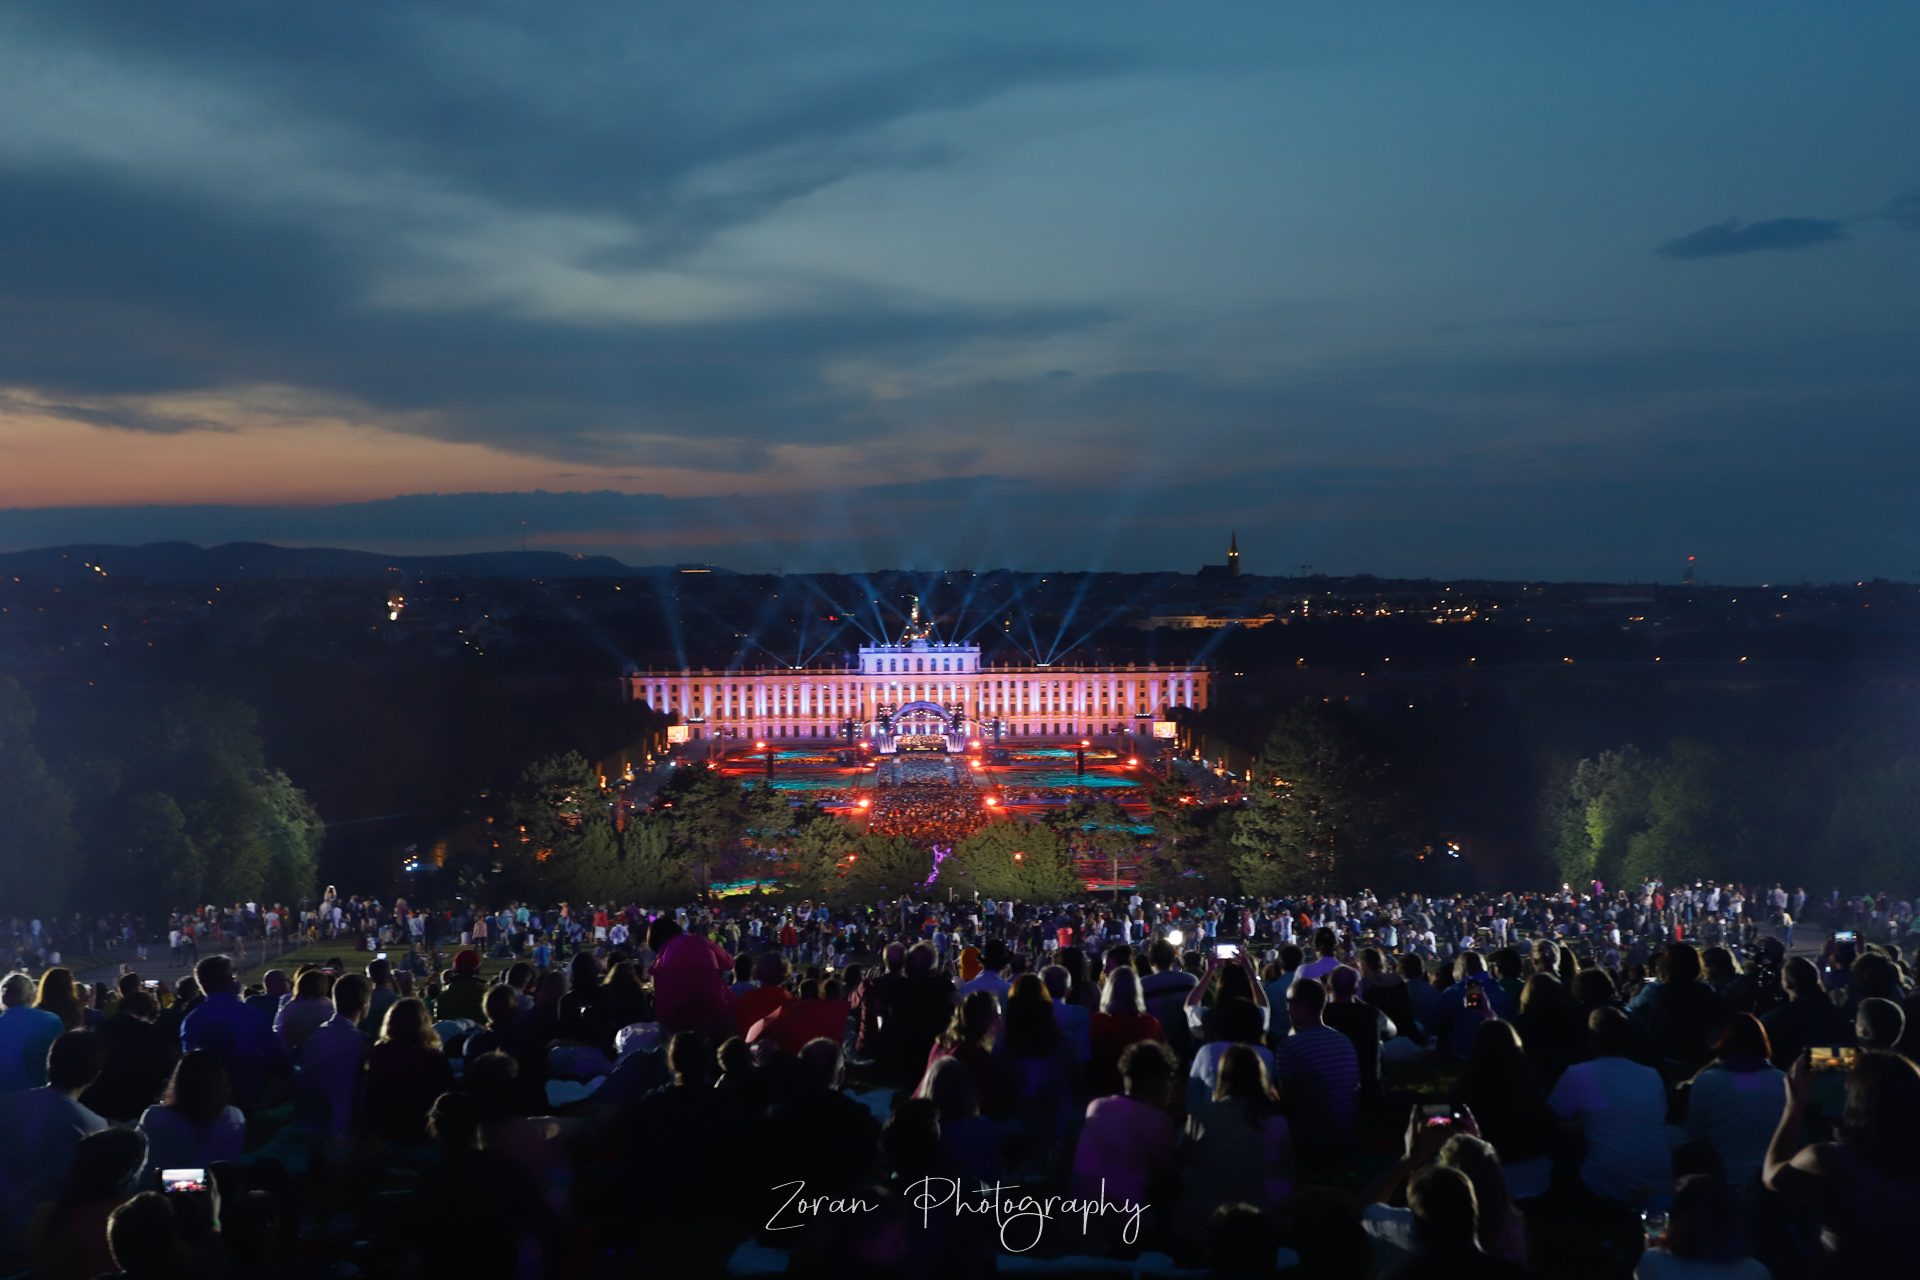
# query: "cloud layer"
[[860, 280]]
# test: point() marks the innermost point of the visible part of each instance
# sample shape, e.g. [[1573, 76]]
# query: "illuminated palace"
[[921, 693]]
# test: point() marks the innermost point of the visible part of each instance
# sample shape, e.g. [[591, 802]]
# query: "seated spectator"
[[145, 1238], [1075, 1020], [624, 999], [1452, 1143], [1462, 1007], [1878, 1023], [970, 1038], [1361, 1023], [690, 981], [327, 1081], [1235, 1023], [506, 1226], [1552, 1026], [40, 1129], [138, 1060], [502, 1009], [197, 1125], [1734, 1102], [1318, 1072], [818, 1014], [1622, 1108], [1128, 1147], [242, 1037], [58, 997], [463, 991], [1863, 1187], [1386, 990], [968, 1140], [1241, 1241], [1165, 992], [819, 1134], [1236, 1147], [406, 1071], [68, 1236], [1121, 1022], [1229, 980], [1682, 1010], [1509, 1107], [26, 1033], [770, 971], [1039, 1076], [1421, 994], [1446, 1229], [300, 1017], [1703, 1240], [1808, 1017]]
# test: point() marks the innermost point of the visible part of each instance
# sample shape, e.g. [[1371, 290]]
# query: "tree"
[[1012, 859], [1872, 838], [1700, 812], [1603, 805], [37, 839], [1312, 805]]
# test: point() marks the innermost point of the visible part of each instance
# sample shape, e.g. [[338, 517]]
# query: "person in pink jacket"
[[691, 976]]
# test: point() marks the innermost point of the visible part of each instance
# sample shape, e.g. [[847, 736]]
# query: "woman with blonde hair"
[[405, 1072], [1121, 1021]]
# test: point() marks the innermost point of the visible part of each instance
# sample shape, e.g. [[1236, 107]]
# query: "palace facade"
[[920, 689]]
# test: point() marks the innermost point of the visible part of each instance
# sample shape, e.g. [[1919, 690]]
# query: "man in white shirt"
[[1327, 944], [1622, 1108], [993, 959]]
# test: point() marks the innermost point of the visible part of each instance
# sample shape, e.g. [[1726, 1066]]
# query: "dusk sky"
[[1509, 290]]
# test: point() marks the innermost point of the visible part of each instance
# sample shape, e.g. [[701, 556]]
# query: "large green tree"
[[1313, 805], [1601, 807], [1012, 859], [37, 839], [186, 810]]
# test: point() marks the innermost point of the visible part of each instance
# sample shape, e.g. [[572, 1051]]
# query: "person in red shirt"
[[690, 981], [770, 971]]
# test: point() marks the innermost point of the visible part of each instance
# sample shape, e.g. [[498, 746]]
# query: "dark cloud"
[[1904, 211], [1734, 236]]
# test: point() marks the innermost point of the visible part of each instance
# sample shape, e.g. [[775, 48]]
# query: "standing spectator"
[[26, 1033], [383, 994], [405, 1073], [1622, 1108], [241, 1037], [766, 993], [1319, 1076], [197, 1125]]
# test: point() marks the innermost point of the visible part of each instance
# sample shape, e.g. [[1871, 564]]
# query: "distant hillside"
[[185, 562]]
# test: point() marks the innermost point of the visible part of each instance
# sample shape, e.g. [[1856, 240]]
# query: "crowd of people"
[[928, 813], [1355, 1086]]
